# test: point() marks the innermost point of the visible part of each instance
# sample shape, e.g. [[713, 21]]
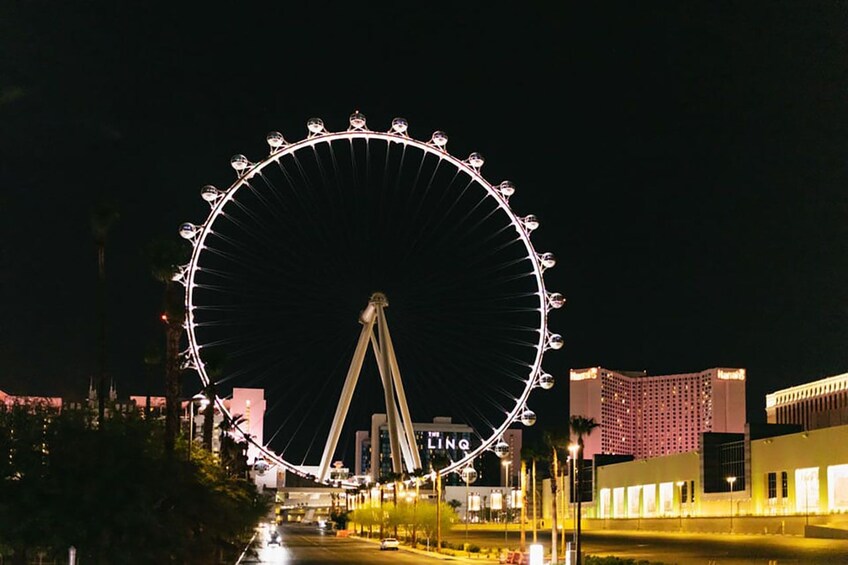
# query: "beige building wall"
[[815, 463], [819, 404]]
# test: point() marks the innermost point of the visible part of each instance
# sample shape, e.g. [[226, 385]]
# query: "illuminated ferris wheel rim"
[[245, 171]]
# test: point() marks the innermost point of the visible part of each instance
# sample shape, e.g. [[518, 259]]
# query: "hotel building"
[[819, 404], [653, 415]]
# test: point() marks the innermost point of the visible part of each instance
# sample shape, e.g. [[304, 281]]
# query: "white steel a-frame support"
[[404, 448]]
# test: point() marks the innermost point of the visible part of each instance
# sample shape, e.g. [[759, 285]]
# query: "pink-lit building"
[[652, 415], [51, 402]]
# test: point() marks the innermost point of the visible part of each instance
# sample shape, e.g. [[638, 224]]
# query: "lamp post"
[[730, 481], [199, 397], [680, 503], [573, 449], [506, 498], [469, 474]]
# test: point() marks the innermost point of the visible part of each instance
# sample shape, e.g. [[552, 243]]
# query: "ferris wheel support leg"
[[415, 461], [385, 374], [391, 407], [344, 401]]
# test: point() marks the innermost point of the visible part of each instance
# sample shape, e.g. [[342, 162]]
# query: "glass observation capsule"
[[357, 120], [546, 381], [209, 193], [556, 300], [315, 125], [530, 222], [501, 448], [188, 230], [469, 474], [476, 160], [400, 125], [439, 139], [547, 259], [555, 341], [239, 162], [275, 139], [506, 188], [528, 417]]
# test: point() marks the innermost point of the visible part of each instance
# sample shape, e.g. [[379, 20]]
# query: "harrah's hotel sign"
[[439, 440]]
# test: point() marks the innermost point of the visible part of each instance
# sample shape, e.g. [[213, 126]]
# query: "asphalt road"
[[304, 545]]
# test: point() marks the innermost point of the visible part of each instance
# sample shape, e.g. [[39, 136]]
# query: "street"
[[305, 545]]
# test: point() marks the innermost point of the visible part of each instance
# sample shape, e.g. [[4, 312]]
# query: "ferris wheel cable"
[[428, 187], [426, 224], [315, 215], [279, 209]]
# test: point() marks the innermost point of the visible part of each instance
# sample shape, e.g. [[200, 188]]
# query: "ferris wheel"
[[309, 246]]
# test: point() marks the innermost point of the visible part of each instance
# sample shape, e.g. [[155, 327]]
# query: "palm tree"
[[165, 257], [552, 441], [534, 454], [580, 427], [103, 217], [214, 361]]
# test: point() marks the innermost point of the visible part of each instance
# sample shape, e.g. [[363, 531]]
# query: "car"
[[389, 543]]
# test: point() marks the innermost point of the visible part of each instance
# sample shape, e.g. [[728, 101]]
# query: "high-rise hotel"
[[651, 415]]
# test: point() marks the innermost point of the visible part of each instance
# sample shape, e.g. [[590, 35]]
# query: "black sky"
[[687, 161]]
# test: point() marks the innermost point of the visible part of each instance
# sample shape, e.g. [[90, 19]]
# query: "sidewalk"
[[446, 554]]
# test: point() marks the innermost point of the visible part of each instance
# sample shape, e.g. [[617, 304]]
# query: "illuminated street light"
[[506, 502], [730, 481], [204, 402], [573, 450]]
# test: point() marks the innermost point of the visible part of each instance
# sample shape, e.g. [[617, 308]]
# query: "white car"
[[389, 543]]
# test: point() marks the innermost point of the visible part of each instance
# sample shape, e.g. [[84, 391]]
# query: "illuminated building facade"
[[652, 415], [819, 404], [801, 474], [439, 438]]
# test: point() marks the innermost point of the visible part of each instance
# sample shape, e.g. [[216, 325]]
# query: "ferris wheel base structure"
[[401, 435]]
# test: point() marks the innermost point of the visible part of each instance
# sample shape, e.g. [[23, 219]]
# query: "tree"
[[533, 453], [103, 217], [552, 441], [233, 454], [213, 360], [580, 427], [114, 494], [165, 257]]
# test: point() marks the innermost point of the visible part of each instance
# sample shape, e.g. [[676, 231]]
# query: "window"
[[691, 491], [784, 484], [771, 480]]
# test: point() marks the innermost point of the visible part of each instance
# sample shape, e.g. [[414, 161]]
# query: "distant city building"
[[651, 415], [439, 438], [819, 404]]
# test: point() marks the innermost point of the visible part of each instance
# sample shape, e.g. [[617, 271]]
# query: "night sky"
[[688, 163]]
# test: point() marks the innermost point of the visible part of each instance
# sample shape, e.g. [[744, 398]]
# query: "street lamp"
[[469, 475], [506, 498], [573, 448], [680, 503], [204, 402], [730, 481]]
